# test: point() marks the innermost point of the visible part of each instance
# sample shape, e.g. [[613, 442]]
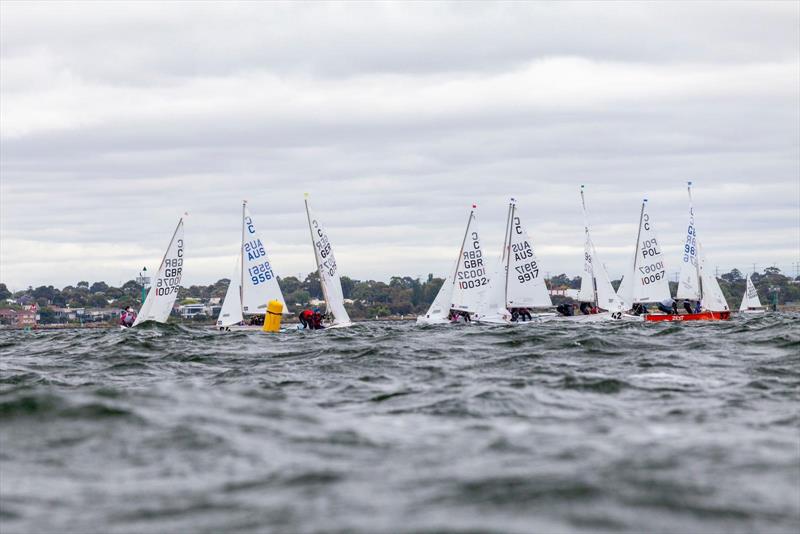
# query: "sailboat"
[[646, 281], [159, 301], [522, 278], [469, 287], [696, 281], [596, 287], [750, 300], [253, 283], [328, 272]]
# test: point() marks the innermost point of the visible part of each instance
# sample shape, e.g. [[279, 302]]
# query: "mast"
[[697, 243], [316, 256], [241, 262], [512, 209], [506, 242], [589, 240], [463, 242], [636, 251]]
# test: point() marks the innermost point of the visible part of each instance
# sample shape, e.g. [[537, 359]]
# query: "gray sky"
[[115, 118]]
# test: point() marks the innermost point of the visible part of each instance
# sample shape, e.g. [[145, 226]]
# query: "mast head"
[[474, 206], [305, 196]]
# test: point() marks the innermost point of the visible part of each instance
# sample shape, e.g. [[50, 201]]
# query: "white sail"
[[625, 290], [689, 281], [161, 297], [649, 274], [525, 286], [440, 307], [492, 301], [586, 293], [259, 283], [328, 270], [231, 312], [595, 283], [471, 276], [607, 299], [750, 298], [713, 299]]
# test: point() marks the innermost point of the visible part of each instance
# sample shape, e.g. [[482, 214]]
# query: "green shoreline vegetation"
[[400, 296]]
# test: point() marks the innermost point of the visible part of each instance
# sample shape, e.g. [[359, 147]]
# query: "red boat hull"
[[704, 316]]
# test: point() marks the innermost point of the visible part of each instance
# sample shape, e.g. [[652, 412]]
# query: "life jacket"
[[307, 314]]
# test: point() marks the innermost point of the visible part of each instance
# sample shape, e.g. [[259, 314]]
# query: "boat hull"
[[759, 311], [702, 316]]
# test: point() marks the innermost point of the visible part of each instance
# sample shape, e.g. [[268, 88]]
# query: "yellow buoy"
[[272, 320]]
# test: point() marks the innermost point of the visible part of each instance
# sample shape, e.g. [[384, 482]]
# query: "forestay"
[[649, 274], [231, 312], [161, 297], [259, 284], [525, 286], [328, 270], [750, 298], [689, 281], [471, 277]]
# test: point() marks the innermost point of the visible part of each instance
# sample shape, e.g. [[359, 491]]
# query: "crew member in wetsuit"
[[687, 306], [586, 308], [668, 306], [316, 320], [127, 317], [565, 309], [524, 314], [306, 318]]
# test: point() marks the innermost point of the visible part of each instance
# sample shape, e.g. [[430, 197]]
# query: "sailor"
[[127, 317], [668, 306], [639, 309], [514, 314], [316, 320], [687, 306], [698, 307], [306, 318], [525, 314], [586, 308], [565, 309]]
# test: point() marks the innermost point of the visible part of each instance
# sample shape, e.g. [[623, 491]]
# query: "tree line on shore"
[[401, 295]]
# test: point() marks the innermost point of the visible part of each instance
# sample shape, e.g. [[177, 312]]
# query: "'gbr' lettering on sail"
[[472, 273], [168, 282]]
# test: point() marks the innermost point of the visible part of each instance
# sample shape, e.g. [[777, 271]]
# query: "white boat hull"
[[600, 318]]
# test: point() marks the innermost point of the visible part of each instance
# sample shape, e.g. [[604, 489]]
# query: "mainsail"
[[254, 283], [689, 281], [750, 298], [470, 275], [649, 277], [259, 283], [161, 297], [595, 283], [524, 278], [328, 270]]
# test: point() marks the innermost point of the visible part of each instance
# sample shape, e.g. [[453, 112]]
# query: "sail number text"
[[472, 273], [168, 282]]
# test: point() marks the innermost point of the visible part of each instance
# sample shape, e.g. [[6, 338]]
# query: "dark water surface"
[[389, 427]]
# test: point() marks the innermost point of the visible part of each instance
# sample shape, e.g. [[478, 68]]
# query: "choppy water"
[[389, 427]]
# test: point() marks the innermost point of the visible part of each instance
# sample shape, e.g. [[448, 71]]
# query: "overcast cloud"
[[115, 118]]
